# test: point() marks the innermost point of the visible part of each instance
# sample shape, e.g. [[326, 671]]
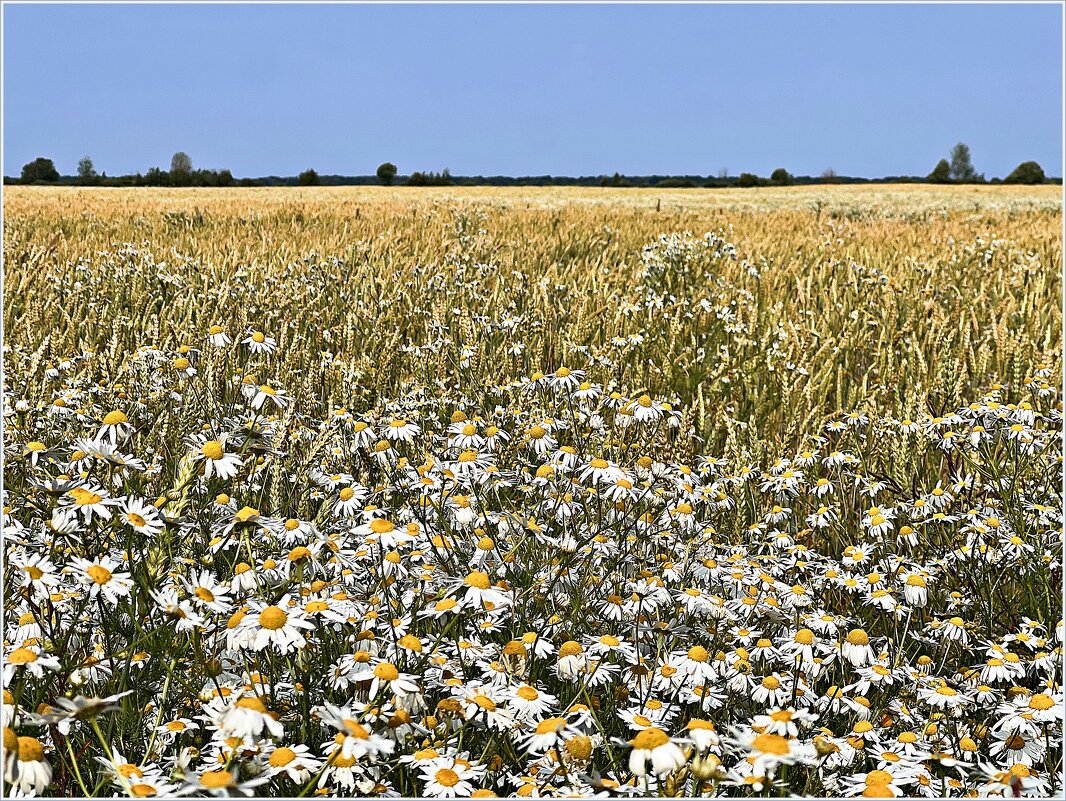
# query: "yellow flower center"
[[253, 703], [579, 747], [650, 739], [101, 575], [387, 671], [245, 514], [83, 497], [570, 648], [21, 656], [273, 618], [858, 637], [212, 449], [1041, 701], [205, 594], [551, 725], [30, 749], [771, 744], [446, 777], [214, 779], [698, 653], [282, 757]]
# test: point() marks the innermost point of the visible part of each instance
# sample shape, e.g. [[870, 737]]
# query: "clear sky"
[[530, 90]]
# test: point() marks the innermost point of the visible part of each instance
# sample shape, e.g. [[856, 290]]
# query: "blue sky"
[[529, 90]]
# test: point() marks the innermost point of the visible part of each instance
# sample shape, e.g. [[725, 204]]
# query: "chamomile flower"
[[216, 461], [653, 752], [279, 626], [258, 342]]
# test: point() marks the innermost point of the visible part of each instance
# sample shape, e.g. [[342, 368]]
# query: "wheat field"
[[481, 491]]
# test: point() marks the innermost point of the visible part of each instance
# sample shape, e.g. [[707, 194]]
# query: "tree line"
[[958, 168]]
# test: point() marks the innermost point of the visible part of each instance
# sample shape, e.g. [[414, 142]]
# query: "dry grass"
[[899, 298]]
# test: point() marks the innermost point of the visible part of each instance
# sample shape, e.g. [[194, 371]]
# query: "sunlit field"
[[536, 492]]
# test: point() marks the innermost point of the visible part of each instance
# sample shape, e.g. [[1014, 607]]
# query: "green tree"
[[780, 177], [40, 169], [961, 165], [387, 173], [86, 170], [156, 177], [941, 173], [308, 178], [748, 179], [1028, 172]]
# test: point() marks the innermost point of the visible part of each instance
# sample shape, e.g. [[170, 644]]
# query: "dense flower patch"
[[215, 586]]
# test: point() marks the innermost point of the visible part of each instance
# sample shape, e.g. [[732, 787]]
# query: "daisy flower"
[[28, 659], [28, 772], [258, 342], [654, 752], [279, 625], [401, 430], [447, 779], [115, 427], [278, 398], [102, 577], [141, 517], [216, 461]]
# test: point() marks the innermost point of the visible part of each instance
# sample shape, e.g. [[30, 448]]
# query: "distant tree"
[[309, 178], [181, 173], [1028, 172], [387, 173], [430, 178], [676, 183], [829, 176], [86, 170], [780, 177], [40, 169], [941, 173], [156, 177], [723, 173], [180, 162], [747, 179], [961, 166]]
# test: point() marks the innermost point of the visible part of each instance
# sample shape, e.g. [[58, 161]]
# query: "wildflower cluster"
[[216, 585]]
